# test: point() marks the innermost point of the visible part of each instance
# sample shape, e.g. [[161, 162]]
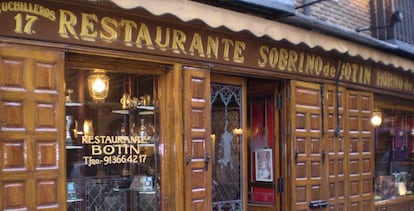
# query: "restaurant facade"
[[103, 107]]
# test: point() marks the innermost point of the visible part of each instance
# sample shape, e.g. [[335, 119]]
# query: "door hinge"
[[288, 92], [280, 185], [323, 108], [187, 159], [279, 101], [288, 128]]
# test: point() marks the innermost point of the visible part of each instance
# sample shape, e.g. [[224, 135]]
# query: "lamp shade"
[[98, 84]]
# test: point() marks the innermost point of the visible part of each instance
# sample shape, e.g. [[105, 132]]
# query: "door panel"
[[31, 111], [307, 144], [332, 147], [197, 146], [336, 146], [361, 149]]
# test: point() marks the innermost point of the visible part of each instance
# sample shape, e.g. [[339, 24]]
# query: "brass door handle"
[[296, 156]]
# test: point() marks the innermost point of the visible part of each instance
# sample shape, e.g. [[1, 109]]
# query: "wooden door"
[[32, 170], [331, 149], [360, 148], [197, 146], [306, 145], [336, 158]]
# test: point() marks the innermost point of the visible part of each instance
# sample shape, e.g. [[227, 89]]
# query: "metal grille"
[[100, 195], [227, 167], [227, 205], [147, 202]]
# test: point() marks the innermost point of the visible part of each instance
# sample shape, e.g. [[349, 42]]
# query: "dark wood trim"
[[398, 200], [393, 103]]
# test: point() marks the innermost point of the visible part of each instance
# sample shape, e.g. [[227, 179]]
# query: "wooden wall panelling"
[[172, 161], [32, 173]]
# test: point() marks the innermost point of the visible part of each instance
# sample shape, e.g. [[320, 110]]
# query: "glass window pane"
[[111, 140], [227, 147]]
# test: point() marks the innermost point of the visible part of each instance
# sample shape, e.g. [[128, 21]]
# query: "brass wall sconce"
[[98, 84], [376, 119]]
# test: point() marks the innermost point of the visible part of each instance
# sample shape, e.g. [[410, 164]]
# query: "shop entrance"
[[265, 184], [245, 143]]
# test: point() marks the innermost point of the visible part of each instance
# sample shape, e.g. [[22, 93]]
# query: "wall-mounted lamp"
[[376, 119], [237, 131], [396, 17], [98, 84]]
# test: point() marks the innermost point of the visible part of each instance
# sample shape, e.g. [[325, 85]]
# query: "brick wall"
[[350, 14]]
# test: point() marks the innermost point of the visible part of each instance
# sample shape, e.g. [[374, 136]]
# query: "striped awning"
[[216, 17]]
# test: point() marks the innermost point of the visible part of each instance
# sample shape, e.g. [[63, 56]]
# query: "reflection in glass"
[[394, 155]]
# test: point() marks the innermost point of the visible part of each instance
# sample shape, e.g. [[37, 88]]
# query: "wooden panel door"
[[306, 145], [360, 149], [336, 158], [32, 170], [197, 146], [331, 147]]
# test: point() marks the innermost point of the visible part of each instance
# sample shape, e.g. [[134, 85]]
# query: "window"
[[394, 154], [401, 33], [112, 139]]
